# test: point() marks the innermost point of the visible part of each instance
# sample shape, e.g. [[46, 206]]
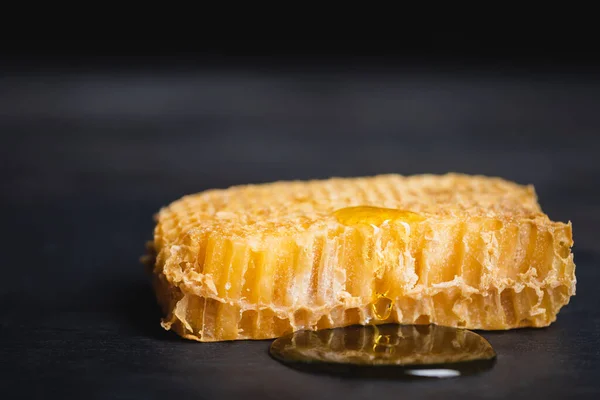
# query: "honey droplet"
[[386, 351], [369, 215], [382, 307]]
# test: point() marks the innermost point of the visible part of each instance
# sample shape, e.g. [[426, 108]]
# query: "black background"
[[97, 136]]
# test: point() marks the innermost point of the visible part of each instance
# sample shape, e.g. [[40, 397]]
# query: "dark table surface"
[[89, 156]]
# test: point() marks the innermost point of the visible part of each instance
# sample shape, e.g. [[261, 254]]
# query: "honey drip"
[[369, 215], [386, 351], [382, 307]]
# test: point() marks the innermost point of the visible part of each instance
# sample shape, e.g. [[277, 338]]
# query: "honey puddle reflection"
[[387, 351]]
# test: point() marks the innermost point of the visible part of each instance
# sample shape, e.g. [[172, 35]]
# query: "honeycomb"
[[263, 260]]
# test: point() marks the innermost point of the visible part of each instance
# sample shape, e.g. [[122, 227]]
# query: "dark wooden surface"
[[88, 157]]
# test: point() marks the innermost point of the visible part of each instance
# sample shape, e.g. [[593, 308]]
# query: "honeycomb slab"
[[260, 261]]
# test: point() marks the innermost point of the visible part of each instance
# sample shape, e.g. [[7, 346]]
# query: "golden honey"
[[382, 307], [369, 215], [387, 350]]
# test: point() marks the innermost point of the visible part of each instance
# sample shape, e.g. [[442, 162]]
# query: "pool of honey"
[[387, 351]]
